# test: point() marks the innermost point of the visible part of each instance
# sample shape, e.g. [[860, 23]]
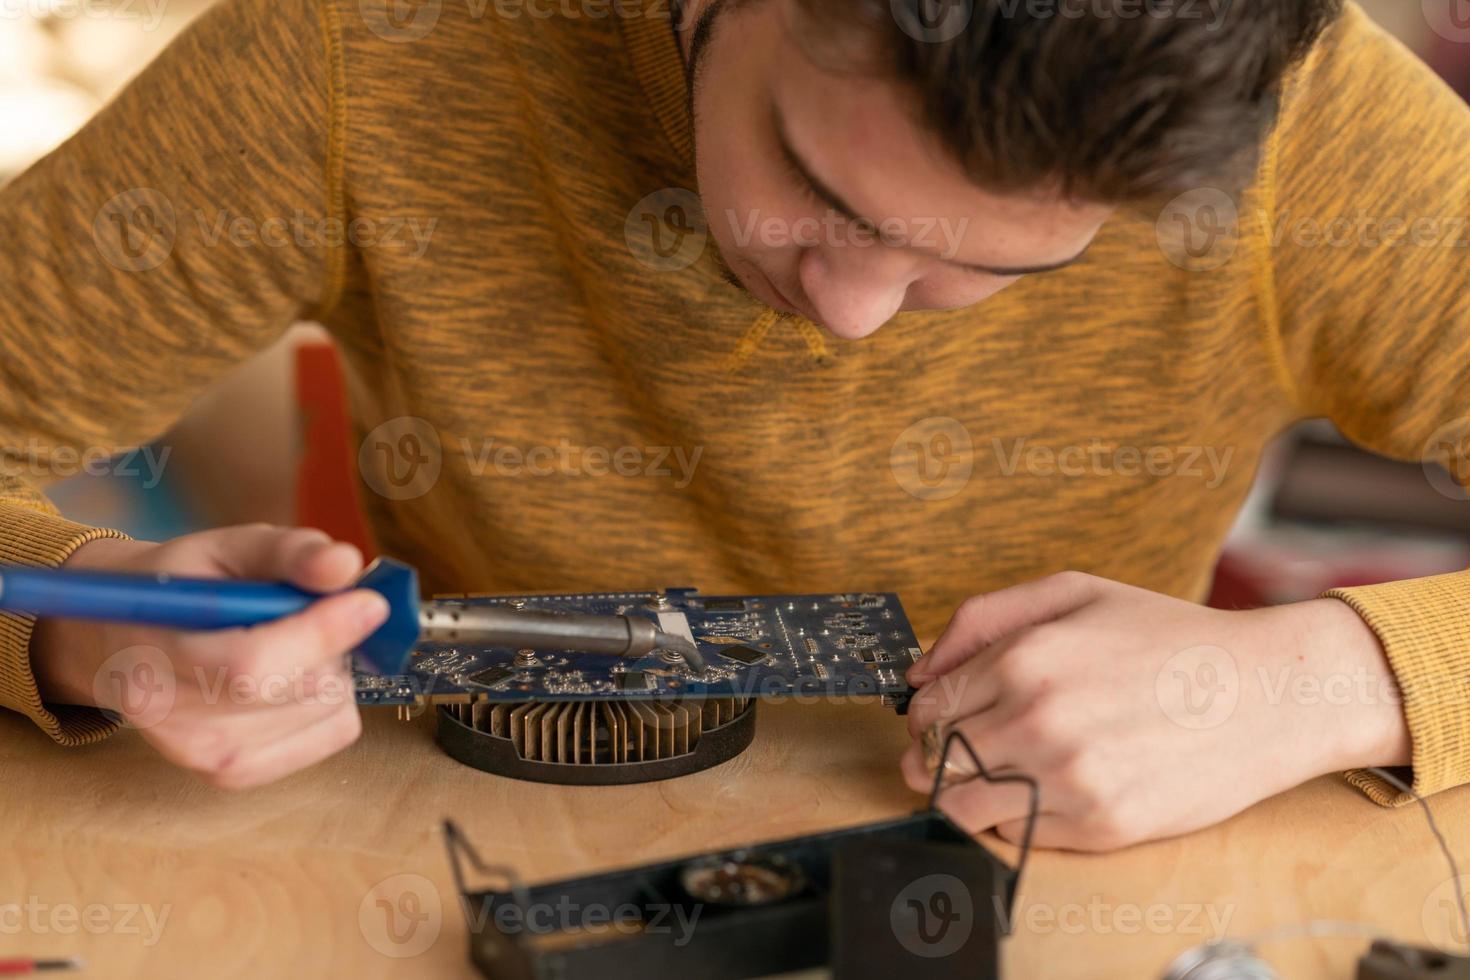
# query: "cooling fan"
[[592, 719]]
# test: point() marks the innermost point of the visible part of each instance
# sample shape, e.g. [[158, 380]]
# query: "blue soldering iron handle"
[[148, 600], [208, 604]]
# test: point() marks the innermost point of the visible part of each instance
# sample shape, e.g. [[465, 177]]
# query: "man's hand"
[[1143, 716], [239, 707]]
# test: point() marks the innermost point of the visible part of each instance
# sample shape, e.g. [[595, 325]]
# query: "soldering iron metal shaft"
[[620, 636]]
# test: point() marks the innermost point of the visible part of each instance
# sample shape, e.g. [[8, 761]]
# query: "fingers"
[[1053, 832], [310, 641], [291, 753], [245, 706], [305, 557], [975, 805], [955, 694], [325, 569], [989, 736], [984, 619], [1084, 807], [280, 697]]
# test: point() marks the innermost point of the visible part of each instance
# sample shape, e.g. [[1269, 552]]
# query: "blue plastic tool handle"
[[209, 604]]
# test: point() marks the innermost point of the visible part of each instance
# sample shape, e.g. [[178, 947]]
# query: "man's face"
[[790, 151]]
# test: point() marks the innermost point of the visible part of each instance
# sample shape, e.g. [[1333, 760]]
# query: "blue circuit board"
[[852, 644]]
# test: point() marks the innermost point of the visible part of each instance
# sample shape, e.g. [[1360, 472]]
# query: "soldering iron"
[[212, 604]]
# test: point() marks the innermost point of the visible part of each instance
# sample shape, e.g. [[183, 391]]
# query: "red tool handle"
[[26, 967]]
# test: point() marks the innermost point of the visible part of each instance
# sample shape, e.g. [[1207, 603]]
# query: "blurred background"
[[1322, 514], [60, 61]]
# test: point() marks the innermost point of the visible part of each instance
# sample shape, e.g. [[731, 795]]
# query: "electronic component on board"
[[633, 680], [491, 676], [714, 646], [683, 704], [745, 655]]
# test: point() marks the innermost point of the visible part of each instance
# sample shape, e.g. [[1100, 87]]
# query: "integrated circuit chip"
[[744, 654], [632, 680], [492, 676]]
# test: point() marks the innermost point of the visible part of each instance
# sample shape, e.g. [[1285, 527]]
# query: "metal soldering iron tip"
[[686, 650]]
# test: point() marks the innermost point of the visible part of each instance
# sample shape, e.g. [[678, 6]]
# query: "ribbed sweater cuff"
[[1424, 625], [31, 537]]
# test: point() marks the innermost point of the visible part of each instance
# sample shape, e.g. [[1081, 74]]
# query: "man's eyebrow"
[[834, 201]]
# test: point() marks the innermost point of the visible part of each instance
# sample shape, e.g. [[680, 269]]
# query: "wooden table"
[[286, 881]]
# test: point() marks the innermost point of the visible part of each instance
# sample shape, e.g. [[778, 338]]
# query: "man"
[[1139, 179]]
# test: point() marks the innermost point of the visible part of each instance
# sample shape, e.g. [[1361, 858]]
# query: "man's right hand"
[[240, 707]]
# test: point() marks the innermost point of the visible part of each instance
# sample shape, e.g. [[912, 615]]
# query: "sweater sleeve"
[[1369, 250], [183, 229]]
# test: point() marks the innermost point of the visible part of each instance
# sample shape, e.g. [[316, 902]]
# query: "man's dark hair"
[[1108, 100]]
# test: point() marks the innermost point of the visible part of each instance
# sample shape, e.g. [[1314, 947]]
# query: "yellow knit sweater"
[[556, 389]]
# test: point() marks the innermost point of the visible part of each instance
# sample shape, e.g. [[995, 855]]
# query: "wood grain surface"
[[109, 854]]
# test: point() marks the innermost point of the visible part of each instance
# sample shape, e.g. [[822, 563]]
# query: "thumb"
[[991, 616], [305, 557]]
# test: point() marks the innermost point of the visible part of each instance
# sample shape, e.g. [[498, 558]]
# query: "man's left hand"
[[1145, 716]]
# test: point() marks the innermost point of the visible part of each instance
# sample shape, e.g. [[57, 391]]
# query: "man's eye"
[[799, 181], [863, 226]]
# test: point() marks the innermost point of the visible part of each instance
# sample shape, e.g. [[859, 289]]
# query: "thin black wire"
[[1444, 846], [1033, 811], [459, 846], [1240, 955]]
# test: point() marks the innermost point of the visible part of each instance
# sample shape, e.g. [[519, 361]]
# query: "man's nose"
[[855, 289]]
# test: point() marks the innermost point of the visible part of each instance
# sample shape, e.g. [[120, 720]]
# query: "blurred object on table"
[[1325, 514]]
